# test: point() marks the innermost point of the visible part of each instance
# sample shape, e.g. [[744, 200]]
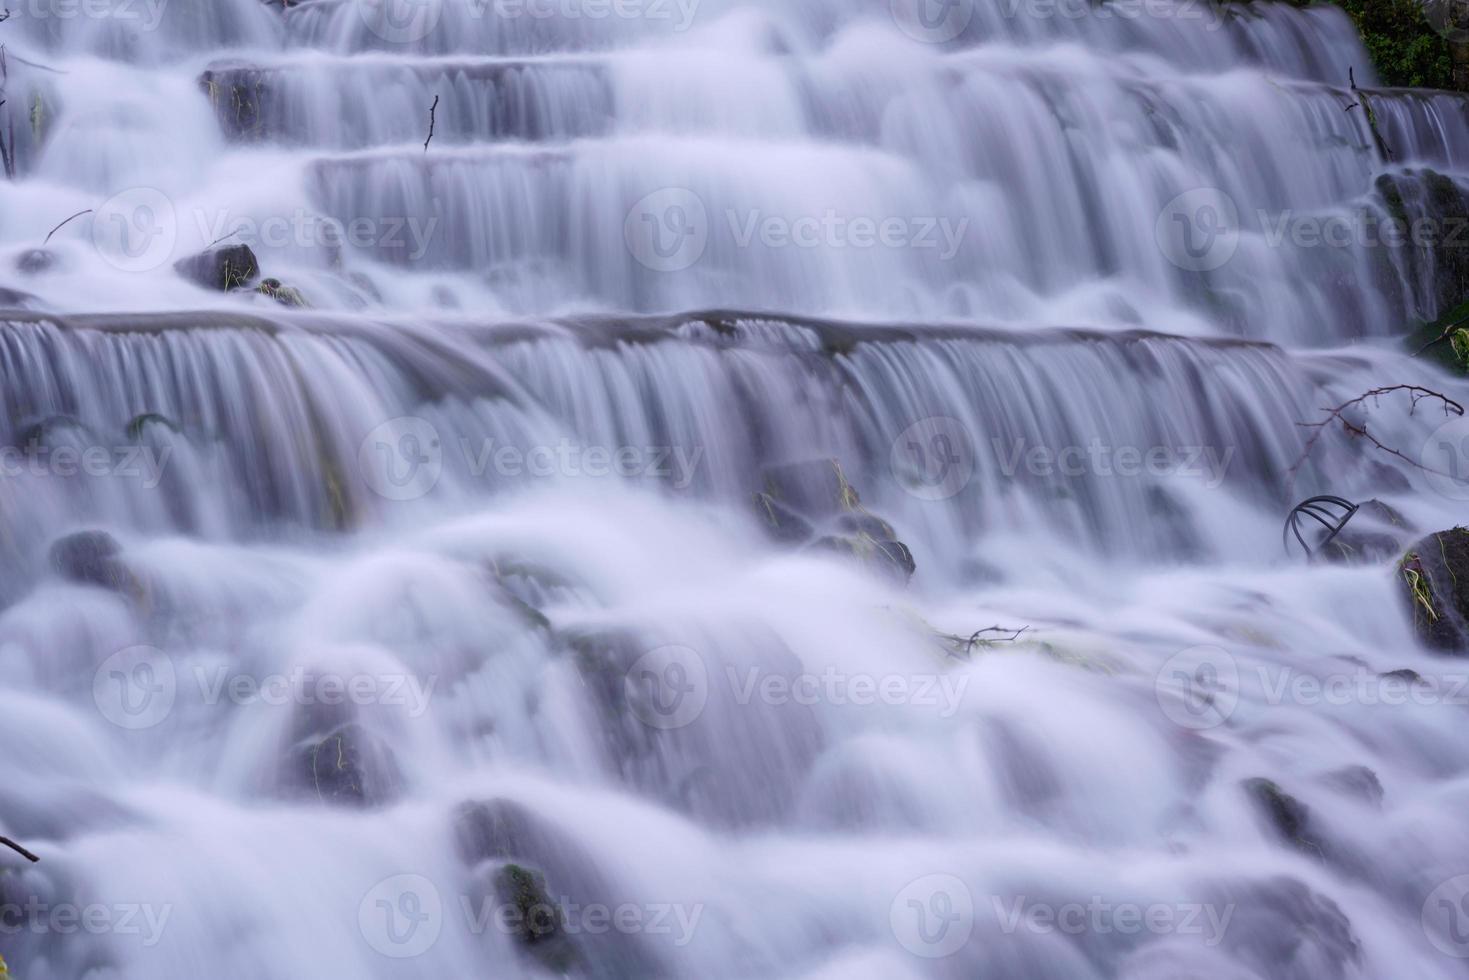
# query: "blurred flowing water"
[[453, 594]]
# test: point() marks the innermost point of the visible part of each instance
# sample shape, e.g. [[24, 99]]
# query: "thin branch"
[[1338, 414], [977, 638], [19, 850], [65, 223], [432, 111]]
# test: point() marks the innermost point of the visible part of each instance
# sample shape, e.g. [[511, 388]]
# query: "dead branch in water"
[[65, 223], [19, 850], [1415, 393], [432, 111]]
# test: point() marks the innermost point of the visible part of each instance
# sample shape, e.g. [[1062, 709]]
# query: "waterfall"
[[721, 488]]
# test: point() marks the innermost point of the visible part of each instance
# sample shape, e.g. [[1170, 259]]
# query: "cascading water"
[[462, 621]]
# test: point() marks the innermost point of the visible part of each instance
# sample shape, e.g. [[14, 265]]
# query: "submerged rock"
[[92, 558], [350, 766], [223, 269], [537, 921], [812, 503], [521, 857], [1289, 817], [36, 261], [1434, 578], [282, 294], [236, 94], [1356, 781], [1376, 533]]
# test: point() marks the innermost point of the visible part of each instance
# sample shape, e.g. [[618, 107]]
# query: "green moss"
[[1404, 47], [1418, 591]]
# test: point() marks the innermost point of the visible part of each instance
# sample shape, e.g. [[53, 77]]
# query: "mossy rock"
[[813, 503], [282, 294], [1434, 578], [539, 923]]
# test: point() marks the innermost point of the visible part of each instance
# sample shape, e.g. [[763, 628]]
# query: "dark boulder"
[[92, 558], [1375, 534], [1358, 782], [1434, 578], [812, 503], [349, 766], [523, 856], [225, 268], [1288, 816], [782, 522], [36, 261]]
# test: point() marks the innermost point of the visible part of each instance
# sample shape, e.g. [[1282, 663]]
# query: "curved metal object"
[[1330, 511]]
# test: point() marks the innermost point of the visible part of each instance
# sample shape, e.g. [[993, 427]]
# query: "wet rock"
[[1289, 817], [349, 766], [1356, 781], [494, 836], [817, 488], [36, 261], [92, 558], [782, 522], [1434, 580], [812, 501], [282, 294], [891, 557], [1376, 533], [236, 93], [535, 919], [1279, 927], [223, 269]]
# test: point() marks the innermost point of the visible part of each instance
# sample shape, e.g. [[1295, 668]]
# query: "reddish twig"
[[1416, 394]]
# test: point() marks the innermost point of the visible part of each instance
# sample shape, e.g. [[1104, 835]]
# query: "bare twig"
[[1415, 393], [64, 224], [432, 111], [977, 638], [19, 850]]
